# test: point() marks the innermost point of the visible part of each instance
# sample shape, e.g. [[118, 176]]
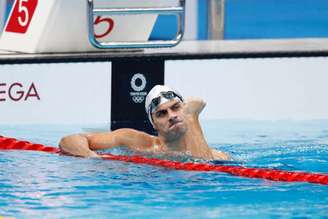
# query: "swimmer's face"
[[169, 120]]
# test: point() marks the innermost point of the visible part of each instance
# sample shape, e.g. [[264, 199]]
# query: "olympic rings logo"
[[138, 99]]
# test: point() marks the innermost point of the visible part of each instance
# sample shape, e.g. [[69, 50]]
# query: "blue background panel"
[[165, 28], [276, 19]]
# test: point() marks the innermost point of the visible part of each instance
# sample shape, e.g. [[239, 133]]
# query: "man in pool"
[[176, 121]]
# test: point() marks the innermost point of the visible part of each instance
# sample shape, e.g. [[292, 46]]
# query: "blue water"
[[41, 185]]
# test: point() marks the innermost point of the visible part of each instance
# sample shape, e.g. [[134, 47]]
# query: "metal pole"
[[215, 26], [3, 8]]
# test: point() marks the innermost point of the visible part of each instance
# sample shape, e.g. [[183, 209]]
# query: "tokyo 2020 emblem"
[[138, 84]]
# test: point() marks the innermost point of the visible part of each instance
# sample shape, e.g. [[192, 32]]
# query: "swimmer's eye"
[[161, 113], [176, 106]]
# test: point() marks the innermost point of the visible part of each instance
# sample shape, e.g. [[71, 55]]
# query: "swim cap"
[[158, 95]]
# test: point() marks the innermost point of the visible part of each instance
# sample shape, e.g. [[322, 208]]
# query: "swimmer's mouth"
[[174, 124]]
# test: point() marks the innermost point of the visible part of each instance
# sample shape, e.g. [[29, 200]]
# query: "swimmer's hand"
[[219, 155], [193, 106], [104, 156], [76, 145]]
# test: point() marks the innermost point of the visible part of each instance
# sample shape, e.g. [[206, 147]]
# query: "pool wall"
[[81, 93]]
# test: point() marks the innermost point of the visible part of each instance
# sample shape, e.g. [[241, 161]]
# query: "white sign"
[[261, 89], [78, 93]]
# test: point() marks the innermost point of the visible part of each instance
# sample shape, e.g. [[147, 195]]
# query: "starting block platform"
[[51, 26]]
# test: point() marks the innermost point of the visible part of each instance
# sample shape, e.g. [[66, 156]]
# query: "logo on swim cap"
[[138, 84]]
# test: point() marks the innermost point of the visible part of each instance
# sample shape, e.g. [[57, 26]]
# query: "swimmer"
[[175, 119]]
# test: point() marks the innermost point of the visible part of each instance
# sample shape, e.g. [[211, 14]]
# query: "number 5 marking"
[[110, 26], [23, 9], [21, 16]]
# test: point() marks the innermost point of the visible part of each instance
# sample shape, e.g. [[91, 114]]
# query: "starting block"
[[35, 26]]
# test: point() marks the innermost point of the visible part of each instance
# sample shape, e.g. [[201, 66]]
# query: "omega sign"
[[138, 84], [17, 91]]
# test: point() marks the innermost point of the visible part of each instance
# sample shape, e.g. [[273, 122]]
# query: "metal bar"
[[178, 11], [215, 26], [115, 11]]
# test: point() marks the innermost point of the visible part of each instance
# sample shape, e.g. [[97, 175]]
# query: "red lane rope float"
[[261, 173]]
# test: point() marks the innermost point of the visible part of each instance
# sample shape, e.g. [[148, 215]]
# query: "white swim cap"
[[161, 94]]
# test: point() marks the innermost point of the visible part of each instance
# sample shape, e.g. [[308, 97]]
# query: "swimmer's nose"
[[173, 117]]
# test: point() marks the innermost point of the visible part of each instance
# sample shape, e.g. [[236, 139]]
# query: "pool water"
[[41, 185]]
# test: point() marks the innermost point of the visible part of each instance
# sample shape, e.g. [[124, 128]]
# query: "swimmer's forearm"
[[76, 145], [196, 143]]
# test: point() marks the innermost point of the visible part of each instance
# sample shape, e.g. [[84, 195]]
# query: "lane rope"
[[260, 173]]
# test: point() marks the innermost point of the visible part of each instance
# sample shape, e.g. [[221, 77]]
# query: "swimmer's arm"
[[192, 108], [84, 144], [194, 137], [134, 139]]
